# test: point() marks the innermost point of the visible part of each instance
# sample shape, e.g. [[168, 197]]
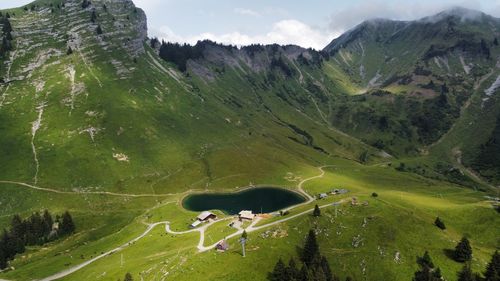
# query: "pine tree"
[[279, 273], [305, 274], [317, 211], [463, 251], [3, 260], [67, 225], [85, 4], [128, 277], [319, 274], [7, 27], [69, 51], [425, 260], [99, 30], [439, 223], [93, 16], [326, 269], [18, 233], [311, 249], [47, 223], [34, 231], [293, 272], [427, 271], [493, 269], [466, 274]]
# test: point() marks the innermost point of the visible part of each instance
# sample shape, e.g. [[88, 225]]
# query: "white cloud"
[[282, 32], [246, 12], [403, 10]]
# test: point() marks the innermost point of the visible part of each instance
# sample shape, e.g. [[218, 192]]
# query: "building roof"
[[205, 215], [223, 245], [246, 215], [195, 223]]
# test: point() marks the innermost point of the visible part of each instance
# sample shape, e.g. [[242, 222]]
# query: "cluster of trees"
[[180, 54], [463, 253], [488, 158], [6, 35], [314, 265], [427, 271], [280, 64], [38, 229]]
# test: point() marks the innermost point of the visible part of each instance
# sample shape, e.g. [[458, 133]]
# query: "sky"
[[307, 23]]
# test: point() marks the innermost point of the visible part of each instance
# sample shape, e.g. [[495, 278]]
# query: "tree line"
[[38, 229], [7, 38]]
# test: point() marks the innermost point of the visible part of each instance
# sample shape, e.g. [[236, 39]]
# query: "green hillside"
[[99, 120]]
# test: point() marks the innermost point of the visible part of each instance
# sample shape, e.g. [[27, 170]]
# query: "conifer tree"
[[425, 260], [85, 4], [69, 51], [34, 231], [3, 258], [463, 250], [293, 272], [128, 277], [99, 30], [305, 274], [326, 269], [427, 271], [311, 249], [317, 211], [47, 223], [466, 274], [67, 225], [279, 273], [93, 16], [17, 233], [439, 223], [493, 269]]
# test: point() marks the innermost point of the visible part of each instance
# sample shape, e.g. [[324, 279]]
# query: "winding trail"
[[85, 192], [69, 271], [201, 248]]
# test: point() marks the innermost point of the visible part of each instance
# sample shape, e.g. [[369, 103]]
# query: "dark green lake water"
[[265, 199]]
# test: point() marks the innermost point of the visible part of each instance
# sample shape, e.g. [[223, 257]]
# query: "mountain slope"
[[93, 121]]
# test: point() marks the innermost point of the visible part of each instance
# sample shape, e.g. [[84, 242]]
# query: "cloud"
[[246, 12], [355, 14], [282, 32]]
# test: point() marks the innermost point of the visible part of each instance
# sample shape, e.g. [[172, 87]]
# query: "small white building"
[[246, 215], [195, 224]]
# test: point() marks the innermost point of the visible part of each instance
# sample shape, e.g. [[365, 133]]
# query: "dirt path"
[[252, 227], [201, 230], [301, 184], [84, 192], [82, 265]]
